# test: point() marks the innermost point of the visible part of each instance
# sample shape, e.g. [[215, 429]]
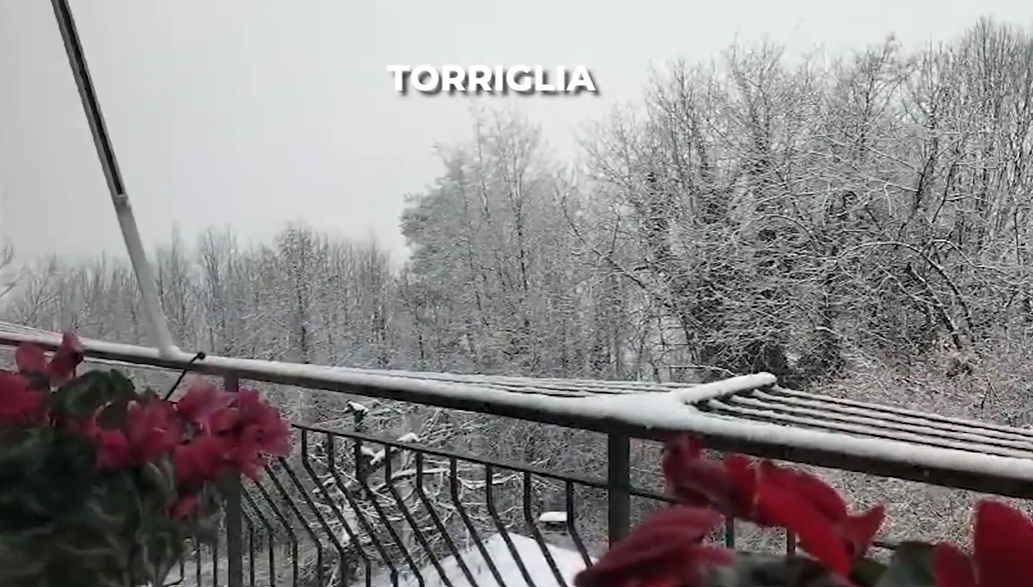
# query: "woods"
[[749, 214], [857, 225]]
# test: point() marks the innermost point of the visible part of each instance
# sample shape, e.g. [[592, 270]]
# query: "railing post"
[[234, 514], [618, 480]]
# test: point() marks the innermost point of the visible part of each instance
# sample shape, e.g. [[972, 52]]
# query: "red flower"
[[207, 407], [184, 506], [769, 495], [665, 550], [31, 359], [250, 430], [1003, 544], [19, 404], [151, 431], [260, 424], [200, 460], [258, 433]]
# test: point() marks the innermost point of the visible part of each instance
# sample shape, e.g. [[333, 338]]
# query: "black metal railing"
[[352, 508], [353, 505]]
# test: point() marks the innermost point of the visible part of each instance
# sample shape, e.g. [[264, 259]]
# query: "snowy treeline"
[[858, 224]]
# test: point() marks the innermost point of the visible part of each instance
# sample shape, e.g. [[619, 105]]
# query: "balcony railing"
[[351, 507]]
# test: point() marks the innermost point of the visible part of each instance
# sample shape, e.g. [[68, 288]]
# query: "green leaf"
[[159, 548], [769, 570], [45, 475], [83, 396], [910, 566], [867, 572], [160, 477]]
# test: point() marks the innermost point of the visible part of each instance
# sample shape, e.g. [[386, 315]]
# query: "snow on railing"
[[621, 411], [553, 518]]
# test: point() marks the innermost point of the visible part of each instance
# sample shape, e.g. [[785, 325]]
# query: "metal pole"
[[130, 234], [233, 510], [618, 482]]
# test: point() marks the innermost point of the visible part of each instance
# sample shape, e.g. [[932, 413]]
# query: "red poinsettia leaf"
[[816, 534], [698, 481], [816, 491], [68, 356], [30, 359], [952, 567], [859, 531], [113, 450], [19, 403], [184, 506], [1003, 544], [71, 343], [741, 473], [658, 536]]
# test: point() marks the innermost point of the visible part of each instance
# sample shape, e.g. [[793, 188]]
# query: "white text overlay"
[[498, 79]]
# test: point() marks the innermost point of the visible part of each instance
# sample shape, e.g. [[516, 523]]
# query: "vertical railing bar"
[[250, 548], [234, 512], [471, 528], [575, 536], [618, 480], [354, 540], [500, 525], [374, 502], [353, 503], [298, 515], [410, 519], [295, 543], [268, 525], [528, 491], [729, 532], [421, 494]]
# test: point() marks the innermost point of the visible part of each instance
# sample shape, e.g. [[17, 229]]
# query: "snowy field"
[[568, 563]]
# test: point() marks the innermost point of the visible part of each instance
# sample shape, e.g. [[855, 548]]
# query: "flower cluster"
[[206, 433], [23, 394], [668, 548]]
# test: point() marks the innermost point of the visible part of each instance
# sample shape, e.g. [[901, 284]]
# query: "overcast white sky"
[[253, 113]]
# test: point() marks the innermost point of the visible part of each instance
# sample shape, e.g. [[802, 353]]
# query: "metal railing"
[[351, 506], [371, 511]]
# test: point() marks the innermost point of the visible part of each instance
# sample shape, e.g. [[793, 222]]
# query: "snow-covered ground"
[[568, 562]]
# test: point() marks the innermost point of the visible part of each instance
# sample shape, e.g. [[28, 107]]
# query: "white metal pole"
[[123, 211]]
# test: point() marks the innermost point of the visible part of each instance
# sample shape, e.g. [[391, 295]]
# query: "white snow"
[[849, 421], [569, 563], [373, 457], [356, 407], [553, 518], [725, 387], [949, 423]]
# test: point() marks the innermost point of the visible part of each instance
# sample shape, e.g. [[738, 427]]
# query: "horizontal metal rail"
[[623, 412], [353, 508]]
